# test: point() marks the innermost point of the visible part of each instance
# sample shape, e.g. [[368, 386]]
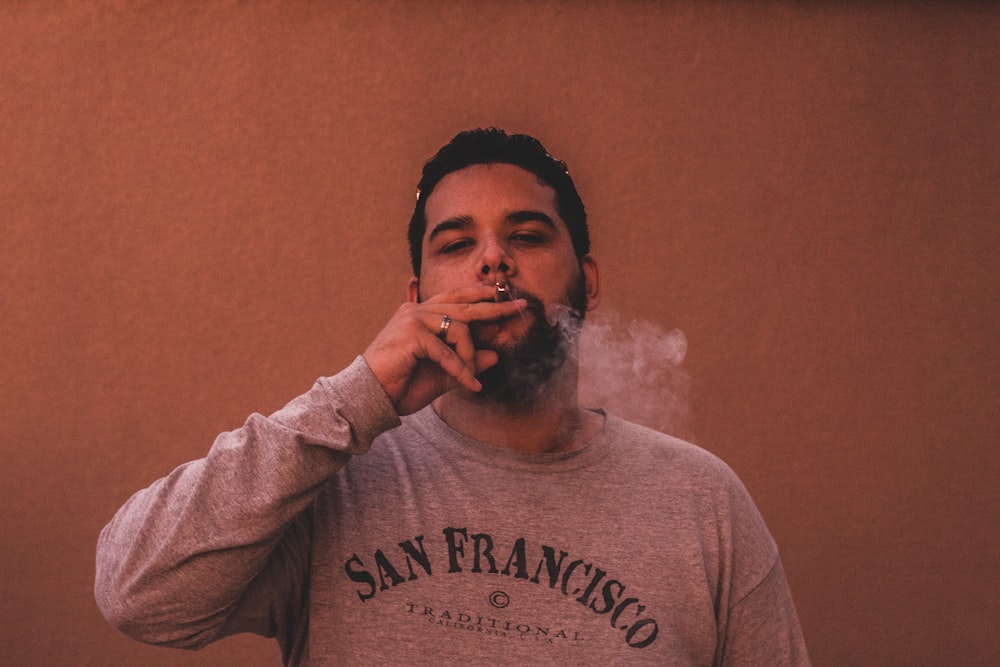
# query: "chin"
[[527, 360]]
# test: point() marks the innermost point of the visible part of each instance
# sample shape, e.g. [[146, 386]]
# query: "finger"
[[448, 360], [444, 319], [484, 311], [460, 338], [470, 294]]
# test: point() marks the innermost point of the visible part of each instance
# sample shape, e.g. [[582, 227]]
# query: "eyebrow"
[[464, 221]]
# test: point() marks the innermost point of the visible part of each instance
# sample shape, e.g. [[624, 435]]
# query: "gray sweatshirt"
[[354, 537]]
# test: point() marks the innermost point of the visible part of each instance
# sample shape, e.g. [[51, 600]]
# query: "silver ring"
[[445, 325]]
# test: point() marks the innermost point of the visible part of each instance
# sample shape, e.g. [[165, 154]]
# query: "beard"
[[525, 367]]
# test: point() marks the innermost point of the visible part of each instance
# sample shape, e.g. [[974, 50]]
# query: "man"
[[445, 499]]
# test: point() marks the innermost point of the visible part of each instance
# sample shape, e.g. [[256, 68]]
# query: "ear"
[[413, 290], [592, 281]]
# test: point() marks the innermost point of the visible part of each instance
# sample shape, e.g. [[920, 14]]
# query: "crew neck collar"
[[443, 437]]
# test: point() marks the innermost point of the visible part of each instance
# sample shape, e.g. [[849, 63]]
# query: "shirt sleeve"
[[756, 619], [221, 545], [763, 628]]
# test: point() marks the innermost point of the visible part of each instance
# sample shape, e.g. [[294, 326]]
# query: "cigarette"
[[504, 292]]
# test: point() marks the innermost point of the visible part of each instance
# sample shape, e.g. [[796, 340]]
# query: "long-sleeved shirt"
[[355, 537]]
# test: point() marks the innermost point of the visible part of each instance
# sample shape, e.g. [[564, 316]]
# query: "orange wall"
[[202, 210]]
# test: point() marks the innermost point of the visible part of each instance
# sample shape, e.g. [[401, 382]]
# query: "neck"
[[551, 422]]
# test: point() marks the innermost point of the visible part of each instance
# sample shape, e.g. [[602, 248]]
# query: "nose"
[[495, 262]]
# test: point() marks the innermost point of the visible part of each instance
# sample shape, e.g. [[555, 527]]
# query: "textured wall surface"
[[202, 210]]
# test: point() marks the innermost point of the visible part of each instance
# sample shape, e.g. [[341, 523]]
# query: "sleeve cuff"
[[357, 397]]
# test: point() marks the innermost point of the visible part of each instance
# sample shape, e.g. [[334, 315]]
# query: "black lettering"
[[419, 556], [485, 552], [385, 569], [456, 548], [521, 560], [361, 576], [569, 572], [553, 567], [598, 575], [646, 641], [609, 599], [621, 607]]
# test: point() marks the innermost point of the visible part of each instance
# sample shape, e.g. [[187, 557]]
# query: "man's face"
[[489, 223]]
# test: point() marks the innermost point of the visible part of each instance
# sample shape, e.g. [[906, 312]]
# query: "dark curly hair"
[[493, 145]]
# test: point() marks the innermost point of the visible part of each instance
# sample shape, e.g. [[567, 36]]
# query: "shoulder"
[[692, 481], [679, 472], [666, 454]]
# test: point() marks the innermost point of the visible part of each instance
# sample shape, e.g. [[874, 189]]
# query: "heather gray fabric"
[[433, 548]]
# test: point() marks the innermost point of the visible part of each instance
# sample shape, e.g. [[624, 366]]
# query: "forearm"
[[175, 561]]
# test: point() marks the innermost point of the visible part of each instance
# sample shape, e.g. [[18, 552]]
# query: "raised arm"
[[178, 557], [221, 545]]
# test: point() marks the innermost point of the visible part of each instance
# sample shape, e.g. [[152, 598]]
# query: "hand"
[[415, 366]]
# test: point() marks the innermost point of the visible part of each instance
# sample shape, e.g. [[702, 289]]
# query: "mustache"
[[535, 305]]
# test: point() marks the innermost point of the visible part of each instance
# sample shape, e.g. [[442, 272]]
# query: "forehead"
[[489, 191]]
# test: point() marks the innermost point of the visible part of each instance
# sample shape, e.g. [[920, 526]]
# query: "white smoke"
[[634, 369]]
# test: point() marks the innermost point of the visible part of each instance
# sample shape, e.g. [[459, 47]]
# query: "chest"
[[438, 561]]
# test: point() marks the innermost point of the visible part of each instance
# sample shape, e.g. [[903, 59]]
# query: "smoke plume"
[[634, 369]]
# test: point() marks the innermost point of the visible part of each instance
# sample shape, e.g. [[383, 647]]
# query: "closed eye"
[[528, 238], [455, 246]]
